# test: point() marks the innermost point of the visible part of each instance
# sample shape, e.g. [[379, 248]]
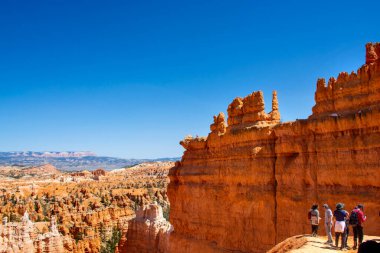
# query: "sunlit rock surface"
[[249, 187], [148, 232], [46, 210]]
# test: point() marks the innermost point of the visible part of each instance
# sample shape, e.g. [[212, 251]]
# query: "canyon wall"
[[148, 232], [249, 184]]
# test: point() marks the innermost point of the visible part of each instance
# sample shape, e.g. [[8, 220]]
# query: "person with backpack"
[[313, 216], [340, 217], [357, 218], [328, 223]]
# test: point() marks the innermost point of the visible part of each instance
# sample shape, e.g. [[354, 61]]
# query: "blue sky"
[[132, 78]]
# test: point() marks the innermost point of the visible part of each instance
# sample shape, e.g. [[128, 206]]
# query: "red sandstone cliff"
[[248, 185]]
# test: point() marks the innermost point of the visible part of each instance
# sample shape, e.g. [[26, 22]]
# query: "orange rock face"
[[22, 237], [148, 232], [250, 111], [84, 208], [350, 93], [250, 187]]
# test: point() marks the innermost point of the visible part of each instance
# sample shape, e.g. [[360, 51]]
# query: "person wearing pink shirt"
[[357, 218]]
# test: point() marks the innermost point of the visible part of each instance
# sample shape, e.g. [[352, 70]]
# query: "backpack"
[[354, 218], [309, 215]]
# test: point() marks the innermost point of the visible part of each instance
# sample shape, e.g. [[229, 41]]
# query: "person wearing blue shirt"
[[340, 217]]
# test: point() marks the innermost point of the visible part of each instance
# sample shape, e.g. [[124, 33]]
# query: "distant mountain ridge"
[[49, 153], [70, 160]]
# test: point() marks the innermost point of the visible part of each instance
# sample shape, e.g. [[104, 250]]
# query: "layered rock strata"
[[248, 111], [148, 232], [23, 237], [350, 93], [249, 185]]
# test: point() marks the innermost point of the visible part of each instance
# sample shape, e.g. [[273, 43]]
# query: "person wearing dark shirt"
[[340, 217], [358, 228]]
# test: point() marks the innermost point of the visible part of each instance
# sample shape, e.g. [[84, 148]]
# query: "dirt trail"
[[308, 244]]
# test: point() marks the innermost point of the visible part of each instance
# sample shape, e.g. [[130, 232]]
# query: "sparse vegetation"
[[83, 208], [166, 212], [109, 246]]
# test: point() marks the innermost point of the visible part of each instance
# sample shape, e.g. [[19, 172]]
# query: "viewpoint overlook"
[[230, 192]]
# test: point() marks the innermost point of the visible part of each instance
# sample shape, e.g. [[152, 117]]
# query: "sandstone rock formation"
[[250, 187], [372, 52], [219, 125], [353, 92], [51, 241], [148, 232], [99, 172], [23, 237], [74, 212], [42, 172], [275, 113], [250, 111], [16, 237], [45, 169]]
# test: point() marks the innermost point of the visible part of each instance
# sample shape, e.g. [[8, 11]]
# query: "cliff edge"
[[249, 183]]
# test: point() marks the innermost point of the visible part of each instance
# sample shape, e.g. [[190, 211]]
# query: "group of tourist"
[[341, 220]]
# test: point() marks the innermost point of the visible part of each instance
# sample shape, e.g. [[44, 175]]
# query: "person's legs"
[[360, 233], [343, 243], [337, 234], [346, 236], [314, 230], [355, 228], [328, 232]]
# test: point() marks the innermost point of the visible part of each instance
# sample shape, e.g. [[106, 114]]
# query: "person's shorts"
[[339, 226]]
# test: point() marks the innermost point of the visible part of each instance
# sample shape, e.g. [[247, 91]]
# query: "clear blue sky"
[[132, 78]]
